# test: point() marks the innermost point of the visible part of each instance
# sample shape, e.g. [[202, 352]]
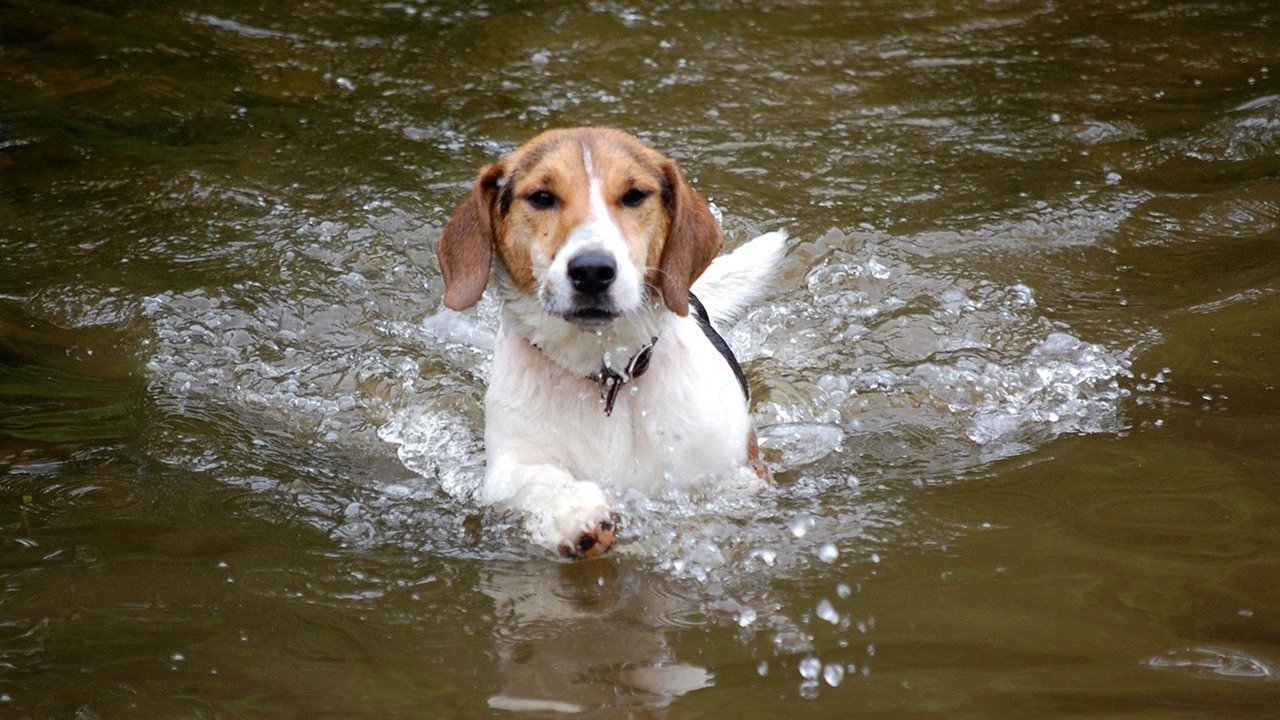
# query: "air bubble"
[[827, 611], [799, 525]]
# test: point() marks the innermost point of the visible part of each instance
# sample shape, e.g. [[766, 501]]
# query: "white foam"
[[878, 350]]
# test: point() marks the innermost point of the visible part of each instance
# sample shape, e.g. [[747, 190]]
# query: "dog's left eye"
[[541, 199], [634, 197]]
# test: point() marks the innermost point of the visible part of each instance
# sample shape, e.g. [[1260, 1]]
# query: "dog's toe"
[[593, 542]]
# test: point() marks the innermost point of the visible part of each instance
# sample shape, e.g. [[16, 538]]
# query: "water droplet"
[[746, 617], [763, 668], [833, 674], [827, 611], [828, 553], [799, 525], [810, 667], [843, 591]]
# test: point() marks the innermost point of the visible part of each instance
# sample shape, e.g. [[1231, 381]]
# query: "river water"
[[1018, 382]]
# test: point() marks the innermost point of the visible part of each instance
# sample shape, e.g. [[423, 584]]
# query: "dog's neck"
[[585, 352]]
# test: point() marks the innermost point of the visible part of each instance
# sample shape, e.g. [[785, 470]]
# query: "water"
[[1017, 383]]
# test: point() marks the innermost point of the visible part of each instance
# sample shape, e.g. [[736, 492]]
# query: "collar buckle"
[[611, 381]]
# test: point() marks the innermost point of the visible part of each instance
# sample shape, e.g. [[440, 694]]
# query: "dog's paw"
[[593, 539], [572, 518]]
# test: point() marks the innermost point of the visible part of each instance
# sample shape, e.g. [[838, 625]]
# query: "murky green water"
[[1020, 383]]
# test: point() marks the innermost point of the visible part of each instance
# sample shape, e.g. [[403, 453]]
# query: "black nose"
[[592, 272]]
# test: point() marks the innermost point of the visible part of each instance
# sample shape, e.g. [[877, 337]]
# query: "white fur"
[[553, 454], [733, 283]]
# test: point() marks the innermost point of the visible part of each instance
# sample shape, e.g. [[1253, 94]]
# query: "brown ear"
[[465, 249], [692, 241]]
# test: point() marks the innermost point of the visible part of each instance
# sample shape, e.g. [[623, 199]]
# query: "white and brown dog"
[[602, 376]]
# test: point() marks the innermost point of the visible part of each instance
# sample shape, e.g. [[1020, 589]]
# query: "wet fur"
[[550, 447]]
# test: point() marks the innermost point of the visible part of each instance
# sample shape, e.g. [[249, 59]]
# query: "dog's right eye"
[[541, 199], [635, 197]]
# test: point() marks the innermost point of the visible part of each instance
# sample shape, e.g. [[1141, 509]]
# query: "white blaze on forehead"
[[599, 211], [599, 227]]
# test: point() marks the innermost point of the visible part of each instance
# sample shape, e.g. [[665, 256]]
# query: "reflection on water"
[[584, 636], [1210, 662], [1018, 380]]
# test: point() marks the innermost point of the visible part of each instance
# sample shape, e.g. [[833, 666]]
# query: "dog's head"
[[589, 221]]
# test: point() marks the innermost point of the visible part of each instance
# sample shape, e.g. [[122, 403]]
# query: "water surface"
[[1018, 384]]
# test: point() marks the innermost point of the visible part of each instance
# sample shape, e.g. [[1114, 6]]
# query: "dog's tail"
[[734, 282]]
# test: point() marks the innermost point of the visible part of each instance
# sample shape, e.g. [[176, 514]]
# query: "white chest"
[[685, 419]]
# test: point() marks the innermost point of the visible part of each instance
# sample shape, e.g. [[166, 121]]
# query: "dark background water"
[[1019, 382]]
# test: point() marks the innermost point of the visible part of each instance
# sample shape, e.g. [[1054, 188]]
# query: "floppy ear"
[[692, 240], [465, 248]]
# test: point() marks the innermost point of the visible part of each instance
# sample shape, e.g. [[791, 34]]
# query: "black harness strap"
[[704, 322]]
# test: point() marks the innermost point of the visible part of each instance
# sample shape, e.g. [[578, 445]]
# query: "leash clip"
[[611, 381]]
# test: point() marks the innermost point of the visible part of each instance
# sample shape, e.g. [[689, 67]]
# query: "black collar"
[[611, 381]]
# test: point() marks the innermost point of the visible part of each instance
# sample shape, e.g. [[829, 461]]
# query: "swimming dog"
[[608, 372]]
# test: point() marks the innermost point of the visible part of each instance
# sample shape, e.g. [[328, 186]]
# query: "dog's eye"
[[635, 197], [541, 199]]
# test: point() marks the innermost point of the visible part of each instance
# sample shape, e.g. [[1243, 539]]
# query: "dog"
[[607, 370]]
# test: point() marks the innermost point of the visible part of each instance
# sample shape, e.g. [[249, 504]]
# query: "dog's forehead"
[[573, 154]]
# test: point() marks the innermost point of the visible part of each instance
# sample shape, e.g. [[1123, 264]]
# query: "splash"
[[927, 369]]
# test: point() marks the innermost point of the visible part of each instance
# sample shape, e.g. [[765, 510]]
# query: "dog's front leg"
[[569, 516]]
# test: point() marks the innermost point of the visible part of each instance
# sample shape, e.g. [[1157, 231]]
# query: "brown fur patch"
[[465, 248], [754, 461], [671, 235], [692, 241]]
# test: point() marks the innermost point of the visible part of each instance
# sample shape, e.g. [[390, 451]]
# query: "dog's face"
[[587, 221]]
